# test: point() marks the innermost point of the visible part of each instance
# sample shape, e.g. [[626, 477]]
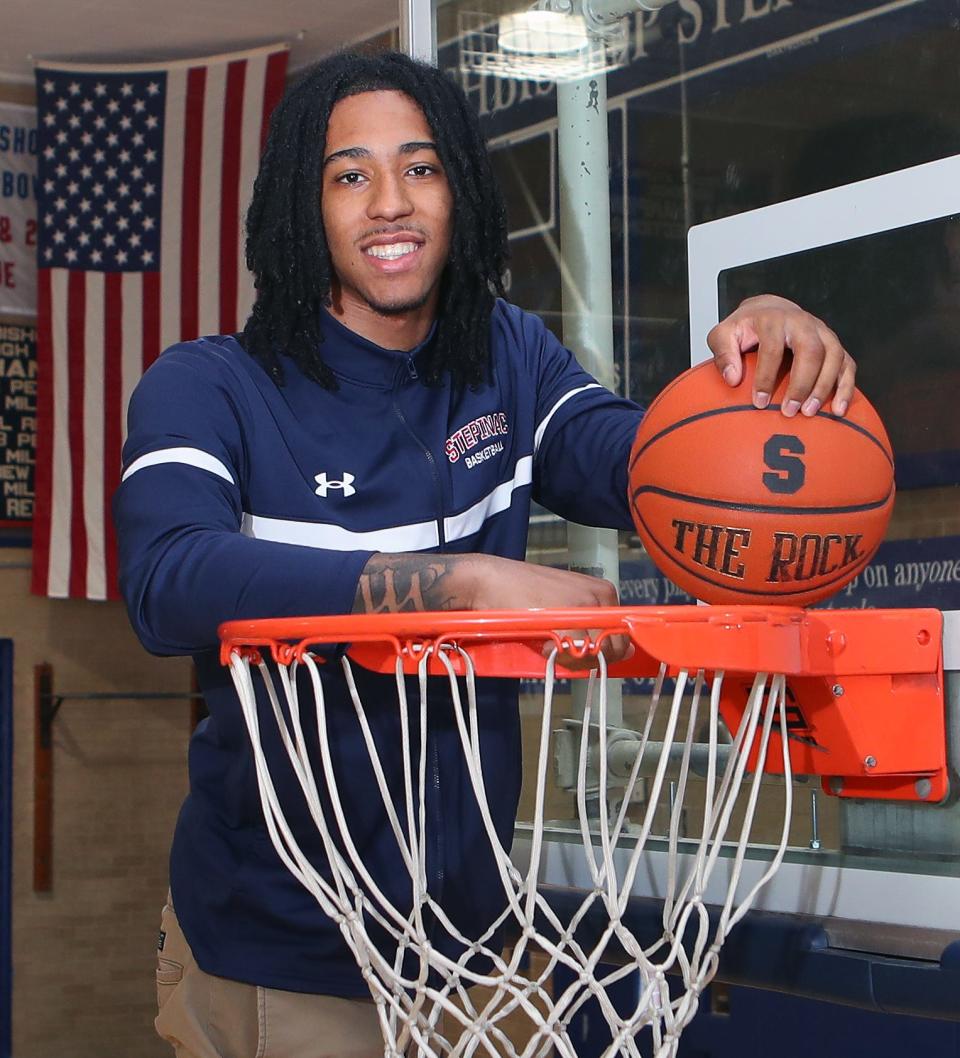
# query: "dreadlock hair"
[[286, 246]]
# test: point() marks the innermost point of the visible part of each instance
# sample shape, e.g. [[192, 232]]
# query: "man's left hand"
[[822, 370]]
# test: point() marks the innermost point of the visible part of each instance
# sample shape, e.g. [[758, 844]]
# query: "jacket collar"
[[354, 358]]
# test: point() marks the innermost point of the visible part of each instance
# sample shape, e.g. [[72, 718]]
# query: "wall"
[[83, 954]]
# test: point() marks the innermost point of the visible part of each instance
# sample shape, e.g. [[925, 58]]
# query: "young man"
[[321, 463]]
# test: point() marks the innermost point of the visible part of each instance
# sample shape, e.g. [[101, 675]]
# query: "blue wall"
[[6, 837], [760, 1023], [756, 1023]]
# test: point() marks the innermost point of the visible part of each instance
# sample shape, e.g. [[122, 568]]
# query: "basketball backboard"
[[866, 907]]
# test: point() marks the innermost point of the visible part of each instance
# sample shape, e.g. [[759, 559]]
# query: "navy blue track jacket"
[[244, 499]]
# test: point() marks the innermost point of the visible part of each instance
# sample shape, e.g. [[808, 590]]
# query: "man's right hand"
[[406, 582]]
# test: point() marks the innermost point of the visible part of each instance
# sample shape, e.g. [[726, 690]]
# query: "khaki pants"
[[203, 1016]]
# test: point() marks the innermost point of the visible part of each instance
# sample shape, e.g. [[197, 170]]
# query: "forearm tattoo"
[[401, 583]]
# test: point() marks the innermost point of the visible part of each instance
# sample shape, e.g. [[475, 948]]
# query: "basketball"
[[737, 504]]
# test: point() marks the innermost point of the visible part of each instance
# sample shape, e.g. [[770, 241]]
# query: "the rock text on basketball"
[[717, 547], [799, 557]]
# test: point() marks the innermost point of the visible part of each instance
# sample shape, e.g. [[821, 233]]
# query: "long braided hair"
[[287, 249]]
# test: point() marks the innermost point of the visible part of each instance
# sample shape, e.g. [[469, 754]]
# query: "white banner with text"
[[18, 209]]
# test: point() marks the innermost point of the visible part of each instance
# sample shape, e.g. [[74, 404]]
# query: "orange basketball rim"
[[865, 691]]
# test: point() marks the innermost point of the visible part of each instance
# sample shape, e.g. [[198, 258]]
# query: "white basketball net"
[[433, 1011]]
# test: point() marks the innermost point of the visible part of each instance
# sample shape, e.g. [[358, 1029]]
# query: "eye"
[[350, 178], [422, 169]]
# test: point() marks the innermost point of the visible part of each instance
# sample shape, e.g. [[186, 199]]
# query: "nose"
[[390, 199]]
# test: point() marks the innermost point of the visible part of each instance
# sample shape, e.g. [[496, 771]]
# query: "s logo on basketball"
[[780, 454]]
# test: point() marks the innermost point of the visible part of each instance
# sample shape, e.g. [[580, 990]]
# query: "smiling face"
[[387, 214]]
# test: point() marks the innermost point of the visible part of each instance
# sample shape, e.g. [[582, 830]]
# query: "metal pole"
[[814, 821], [587, 297], [418, 36], [622, 753]]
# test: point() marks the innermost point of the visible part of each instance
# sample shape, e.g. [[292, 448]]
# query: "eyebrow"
[[363, 152]]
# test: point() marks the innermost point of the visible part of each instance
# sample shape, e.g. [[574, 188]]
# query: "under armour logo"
[[323, 486]]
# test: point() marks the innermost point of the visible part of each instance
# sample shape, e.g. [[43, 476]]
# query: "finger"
[[830, 372], [809, 358], [614, 648], [727, 341], [575, 664], [770, 350], [845, 386], [617, 648], [567, 657]]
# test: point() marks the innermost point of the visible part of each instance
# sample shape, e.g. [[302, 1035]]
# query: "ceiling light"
[[543, 33]]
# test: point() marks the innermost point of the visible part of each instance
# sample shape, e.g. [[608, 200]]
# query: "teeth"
[[393, 251]]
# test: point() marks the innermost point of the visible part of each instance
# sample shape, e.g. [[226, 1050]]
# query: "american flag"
[[144, 177]]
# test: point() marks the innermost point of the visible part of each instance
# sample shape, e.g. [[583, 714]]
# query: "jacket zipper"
[[437, 822], [411, 370]]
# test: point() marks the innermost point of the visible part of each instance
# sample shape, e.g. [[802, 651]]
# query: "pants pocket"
[[169, 967], [168, 972]]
